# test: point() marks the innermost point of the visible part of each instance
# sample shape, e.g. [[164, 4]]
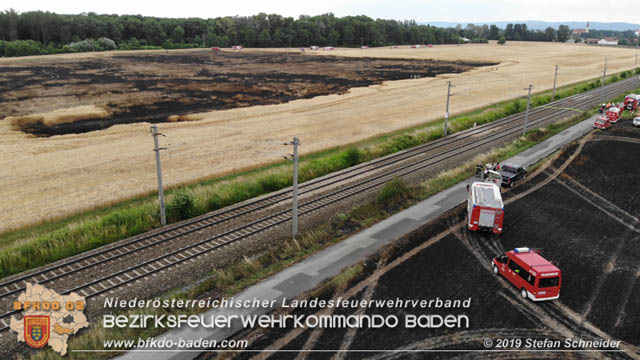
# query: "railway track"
[[373, 175]]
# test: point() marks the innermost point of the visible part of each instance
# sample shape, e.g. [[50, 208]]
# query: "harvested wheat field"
[[324, 101]]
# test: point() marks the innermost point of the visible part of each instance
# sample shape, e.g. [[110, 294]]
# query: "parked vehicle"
[[512, 173], [493, 177], [485, 210], [535, 277], [601, 123], [636, 121], [631, 102], [613, 114]]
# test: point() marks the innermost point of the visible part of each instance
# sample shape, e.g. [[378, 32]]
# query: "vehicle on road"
[[636, 121], [511, 173], [485, 210], [535, 277], [601, 123]]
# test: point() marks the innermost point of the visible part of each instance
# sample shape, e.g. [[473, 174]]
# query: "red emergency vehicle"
[[601, 123], [485, 210], [631, 102], [613, 114], [537, 278]]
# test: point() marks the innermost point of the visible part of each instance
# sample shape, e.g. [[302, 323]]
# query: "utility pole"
[[555, 77], [294, 212], [361, 42], [526, 114], [157, 148], [446, 111], [604, 73], [636, 64]]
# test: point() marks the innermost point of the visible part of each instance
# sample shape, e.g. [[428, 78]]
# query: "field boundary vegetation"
[[42, 244], [38, 32], [393, 197]]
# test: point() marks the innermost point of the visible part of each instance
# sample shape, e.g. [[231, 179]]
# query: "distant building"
[[464, 39], [638, 32], [591, 41], [608, 41], [581, 31]]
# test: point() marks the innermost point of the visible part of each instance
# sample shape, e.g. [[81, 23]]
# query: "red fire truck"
[[614, 113], [631, 102], [601, 123], [485, 210], [537, 278]]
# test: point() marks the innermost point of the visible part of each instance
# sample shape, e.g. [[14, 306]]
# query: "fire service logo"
[[48, 317], [36, 330]]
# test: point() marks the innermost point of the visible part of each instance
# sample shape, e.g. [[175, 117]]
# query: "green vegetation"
[[393, 192], [54, 33], [43, 244]]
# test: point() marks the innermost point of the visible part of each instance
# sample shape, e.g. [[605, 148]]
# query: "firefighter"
[[479, 169]]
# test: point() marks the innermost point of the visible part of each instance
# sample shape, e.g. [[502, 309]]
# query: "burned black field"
[[152, 87], [583, 211]]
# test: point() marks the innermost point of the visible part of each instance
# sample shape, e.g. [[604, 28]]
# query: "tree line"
[[38, 32], [514, 32], [46, 32]]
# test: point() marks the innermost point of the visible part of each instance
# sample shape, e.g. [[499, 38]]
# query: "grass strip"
[[39, 245]]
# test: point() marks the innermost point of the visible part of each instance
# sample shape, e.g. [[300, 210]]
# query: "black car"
[[511, 173]]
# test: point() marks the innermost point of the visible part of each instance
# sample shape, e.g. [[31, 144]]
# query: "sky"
[[463, 11]]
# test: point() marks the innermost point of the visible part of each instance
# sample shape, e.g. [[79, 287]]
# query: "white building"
[[608, 41]]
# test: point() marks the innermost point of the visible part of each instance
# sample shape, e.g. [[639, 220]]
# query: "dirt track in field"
[[56, 176], [585, 217]]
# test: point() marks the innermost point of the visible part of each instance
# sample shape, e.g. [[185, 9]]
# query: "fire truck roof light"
[[521, 250]]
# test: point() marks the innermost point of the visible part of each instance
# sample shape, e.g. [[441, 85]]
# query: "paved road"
[[311, 272]]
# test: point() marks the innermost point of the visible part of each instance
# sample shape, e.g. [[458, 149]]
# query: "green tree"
[[494, 32], [563, 33], [502, 40], [264, 39], [177, 35], [550, 34]]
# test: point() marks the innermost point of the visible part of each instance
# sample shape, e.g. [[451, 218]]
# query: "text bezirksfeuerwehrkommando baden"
[[312, 303]]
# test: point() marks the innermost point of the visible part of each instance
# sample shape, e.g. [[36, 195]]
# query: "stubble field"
[[49, 177]]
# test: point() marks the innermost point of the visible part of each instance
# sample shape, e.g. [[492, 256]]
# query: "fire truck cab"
[[485, 210], [631, 102], [601, 123], [537, 278]]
